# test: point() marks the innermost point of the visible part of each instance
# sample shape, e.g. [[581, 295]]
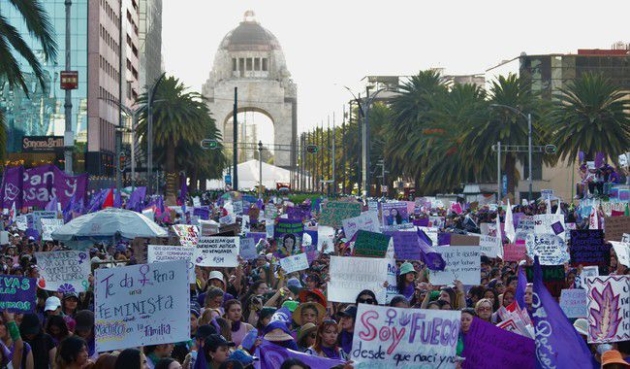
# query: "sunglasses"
[[366, 301]]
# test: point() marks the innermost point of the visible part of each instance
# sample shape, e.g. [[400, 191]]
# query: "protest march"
[[233, 280]]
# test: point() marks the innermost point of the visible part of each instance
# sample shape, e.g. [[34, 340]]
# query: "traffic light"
[[312, 149]]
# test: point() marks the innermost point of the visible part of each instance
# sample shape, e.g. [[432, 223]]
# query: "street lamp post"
[[260, 148], [528, 117], [364, 107], [150, 97]]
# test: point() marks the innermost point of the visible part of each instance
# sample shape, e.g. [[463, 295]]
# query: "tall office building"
[[105, 51]]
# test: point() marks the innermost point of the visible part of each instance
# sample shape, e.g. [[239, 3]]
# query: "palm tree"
[[12, 42], [181, 120], [590, 115], [505, 125], [411, 110]]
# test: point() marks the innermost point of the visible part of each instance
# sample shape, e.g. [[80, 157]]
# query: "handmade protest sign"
[[371, 244], [625, 238], [162, 253], [608, 307], [38, 215], [217, 251], [294, 263], [463, 263], [248, 249], [525, 223], [394, 213], [514, 251], [271, 213], [388, 337], [489, 246], [588, 248], [367, 221], [552, 275], [622, 249], [64, 271], [17, 294], [288, 234], [549, 248], [573, 302], [550, 224], [141, 305], [405, 245], [615, 227], [49, 226], [334, 212], [487, 346], [188, 234], [351, 275]]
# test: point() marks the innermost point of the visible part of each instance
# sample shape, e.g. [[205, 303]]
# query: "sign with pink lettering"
[[387, 337], [141, 305]]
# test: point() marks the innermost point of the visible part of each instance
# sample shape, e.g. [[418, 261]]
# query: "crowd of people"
[[235, 312]]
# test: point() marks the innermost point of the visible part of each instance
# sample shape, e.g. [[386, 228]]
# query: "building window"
[[234, 65], [250, 65], [265, 66], [257, 64]]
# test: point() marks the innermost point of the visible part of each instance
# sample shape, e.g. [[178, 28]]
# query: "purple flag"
[[428, 255], [272, 356], [505, 350], [97, 200], [12, 187], [558, 344], [520, 288], [135, 200]]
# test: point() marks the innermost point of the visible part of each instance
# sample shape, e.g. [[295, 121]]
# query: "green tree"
[[590, 115], [12, 44], [181, 119]]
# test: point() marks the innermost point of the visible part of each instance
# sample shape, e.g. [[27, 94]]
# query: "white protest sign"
[[141, 305], [622, 249], [196, 201], [587, 271], [237, 207], [294, 263], [351, 275], [188, 234], [489, 246], [550, 224], [21, 222], [367, 221], [608, 307], [325, 238], [573, 302], [49, 226], [4, 237], [217, 251], [64, 271], [548, 247], [161, 253], [463, 263], [387, 337], [625, 238], [623, 160], [228, 219], [248, 249]]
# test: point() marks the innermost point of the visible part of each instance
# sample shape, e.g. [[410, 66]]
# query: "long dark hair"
[[317, 346], [367, 292], [68, 350], [129, 359]]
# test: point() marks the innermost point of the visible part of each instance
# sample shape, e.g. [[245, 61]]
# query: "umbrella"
[[110, 222]]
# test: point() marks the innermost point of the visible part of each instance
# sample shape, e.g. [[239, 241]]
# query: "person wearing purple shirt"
[[347, 319]]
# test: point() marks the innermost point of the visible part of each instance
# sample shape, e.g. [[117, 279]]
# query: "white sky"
[[330, 44]]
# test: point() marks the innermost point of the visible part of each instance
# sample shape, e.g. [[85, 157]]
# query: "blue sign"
[[504, 185], [228, 179]]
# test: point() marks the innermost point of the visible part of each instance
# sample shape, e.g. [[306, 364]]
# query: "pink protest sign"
[[514, 251]]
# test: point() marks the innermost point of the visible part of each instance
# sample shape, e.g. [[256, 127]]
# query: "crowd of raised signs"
[[241, 282]]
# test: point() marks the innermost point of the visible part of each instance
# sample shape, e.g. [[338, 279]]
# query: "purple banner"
[[294, 213], [17, 294], [37, 186], [272, 356], [406, 245], [487, 346]]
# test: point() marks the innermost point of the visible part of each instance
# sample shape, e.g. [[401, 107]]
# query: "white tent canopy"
[[248, 176]]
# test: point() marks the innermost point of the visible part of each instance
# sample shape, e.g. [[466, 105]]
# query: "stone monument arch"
[[251, 59]]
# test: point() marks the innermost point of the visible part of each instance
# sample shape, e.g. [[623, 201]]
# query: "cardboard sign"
[[489, 246], [38, 215], [608, 308], [615, 227], [371, 244], [64, 271], [550, 224], [504, 350], [573, 303], [550, 248], [387, 337], [248, 249], [552, 275], [588, 248], [367, 221], [351, 275], [463, 263], [525, 223], [18, 294], [188, 234], [48, 226], [162, 253], [294, 263], [217, 251], [515, 251], [141, 305], [334, 212], [405, 245]]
